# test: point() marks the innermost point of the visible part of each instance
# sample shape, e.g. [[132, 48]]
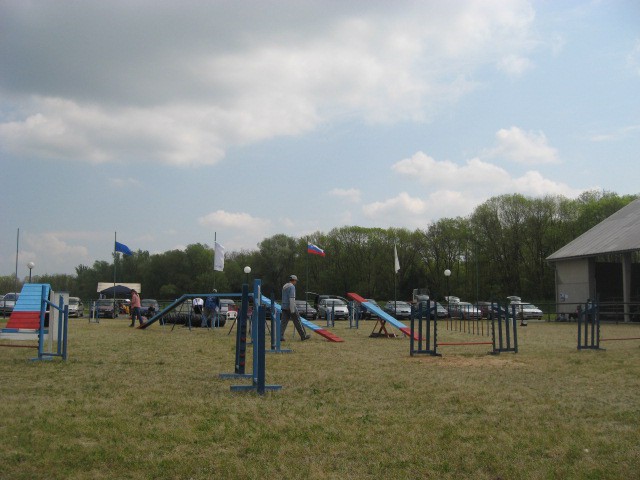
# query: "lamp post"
[[30, 266], [247, 271], [447, 273]]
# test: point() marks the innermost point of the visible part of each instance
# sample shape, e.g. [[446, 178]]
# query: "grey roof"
[[616, 234]]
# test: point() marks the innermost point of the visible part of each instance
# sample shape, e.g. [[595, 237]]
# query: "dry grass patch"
[[149, 404]]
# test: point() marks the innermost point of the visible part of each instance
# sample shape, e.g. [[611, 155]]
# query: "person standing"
[[290, 310], [211, 310], [135, 308]]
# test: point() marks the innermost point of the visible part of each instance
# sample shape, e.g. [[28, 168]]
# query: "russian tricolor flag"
[[314, 250]]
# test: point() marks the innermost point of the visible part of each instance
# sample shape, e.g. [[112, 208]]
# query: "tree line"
[[498, 250]]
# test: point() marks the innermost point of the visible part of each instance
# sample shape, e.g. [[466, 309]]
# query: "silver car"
[[9, 301], [333, 306], [398, 309], [76, 307]]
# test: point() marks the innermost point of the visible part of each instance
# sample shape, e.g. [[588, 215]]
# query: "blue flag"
[[121, 247]]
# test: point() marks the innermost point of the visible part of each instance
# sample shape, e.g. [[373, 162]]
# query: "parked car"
[[149, 307], [527, 311], [398, 309], [364, 313], [441, 312], [485, 309], [227, 305], [9, 301], [335, 306], [106, 308], [76, 307], [465, 310], [306, 310], [319, 298]]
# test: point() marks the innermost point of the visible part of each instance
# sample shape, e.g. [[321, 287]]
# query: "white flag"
[[397, 262], [218, 260]]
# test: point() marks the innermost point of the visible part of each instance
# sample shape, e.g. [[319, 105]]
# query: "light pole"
[[247, 271], [30, 266], [447, 273]]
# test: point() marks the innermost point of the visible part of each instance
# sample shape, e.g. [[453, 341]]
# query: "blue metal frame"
[[241, 339], [181, 300], [424, 331], [63, 327], [258, 338], [507, 326], [590, 314]]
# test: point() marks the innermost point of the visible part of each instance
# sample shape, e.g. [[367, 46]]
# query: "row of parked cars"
[[455, 308]]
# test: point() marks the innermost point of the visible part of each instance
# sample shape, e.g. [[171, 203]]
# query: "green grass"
[[148, 404]]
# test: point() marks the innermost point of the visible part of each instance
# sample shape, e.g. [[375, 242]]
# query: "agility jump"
[[424, 331], [27, 321], [258, 340], [589, 333]]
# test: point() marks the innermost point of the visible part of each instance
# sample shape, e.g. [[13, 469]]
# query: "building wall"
[[575, 283]]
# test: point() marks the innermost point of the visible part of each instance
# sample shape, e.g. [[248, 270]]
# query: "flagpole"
[[215, 240], [115, 266], [15, 279], [395, 276], [306, 285]]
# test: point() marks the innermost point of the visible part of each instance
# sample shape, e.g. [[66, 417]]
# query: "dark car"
[[364, 313], [149, 307], [485, 309], [465, 311], [306, 310], [398, 309], [440, 311], [106, 308]]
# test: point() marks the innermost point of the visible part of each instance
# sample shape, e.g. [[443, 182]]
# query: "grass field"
[[133, 404]]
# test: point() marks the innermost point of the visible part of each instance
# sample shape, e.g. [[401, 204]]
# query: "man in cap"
[[290, 310], [211, 311]]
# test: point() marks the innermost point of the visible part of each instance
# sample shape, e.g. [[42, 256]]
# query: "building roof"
[[618, 233]]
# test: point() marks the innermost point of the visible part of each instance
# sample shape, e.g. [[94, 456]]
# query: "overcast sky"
[[172, 121]]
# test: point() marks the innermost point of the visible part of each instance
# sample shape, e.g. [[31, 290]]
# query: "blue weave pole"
[[241, 339], [259, 375]]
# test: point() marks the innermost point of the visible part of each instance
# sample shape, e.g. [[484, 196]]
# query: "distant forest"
[[498, 250]]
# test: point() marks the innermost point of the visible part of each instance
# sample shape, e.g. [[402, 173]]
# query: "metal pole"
[[115, 263], [15, 279]]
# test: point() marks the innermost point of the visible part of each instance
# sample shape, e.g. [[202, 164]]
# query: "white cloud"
[[350, 194], [182, 96], [514, 65], [51, 252], [518, 146], [633, 58], [455, 190], [619, 134], [401, 207], [124, 182], [238, 221]]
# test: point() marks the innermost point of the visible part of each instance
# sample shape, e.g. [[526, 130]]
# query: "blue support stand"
[[259, 374], [61, 311], [241, 339], [354, 315], [275, 332]]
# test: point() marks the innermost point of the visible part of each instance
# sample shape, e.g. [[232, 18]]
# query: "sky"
[[177, 122]]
